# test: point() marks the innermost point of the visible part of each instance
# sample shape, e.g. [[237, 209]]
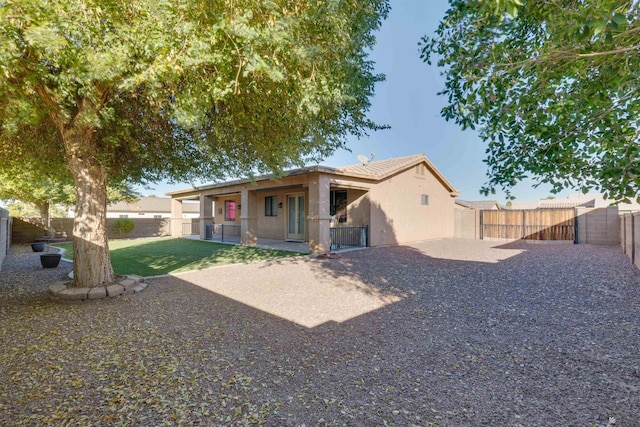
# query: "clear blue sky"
[[407, 101]]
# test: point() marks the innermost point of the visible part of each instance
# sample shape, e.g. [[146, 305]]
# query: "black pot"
[[50, 260], [37, 246]]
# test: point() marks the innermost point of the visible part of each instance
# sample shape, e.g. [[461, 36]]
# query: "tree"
[[45, 188], [551, 86], [39, 188], [145, 90]]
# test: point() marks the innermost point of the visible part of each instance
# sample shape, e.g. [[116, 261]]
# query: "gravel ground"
[[446, 333]]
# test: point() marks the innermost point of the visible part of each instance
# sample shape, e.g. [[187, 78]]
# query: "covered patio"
[[309, 212]]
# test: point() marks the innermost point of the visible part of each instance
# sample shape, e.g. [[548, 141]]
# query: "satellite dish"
[[365, 160]]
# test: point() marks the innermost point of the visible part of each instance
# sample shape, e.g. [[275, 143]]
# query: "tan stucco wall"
[[274, 227], [397, 215]]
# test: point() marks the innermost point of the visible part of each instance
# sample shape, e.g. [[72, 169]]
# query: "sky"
[[407, 101]]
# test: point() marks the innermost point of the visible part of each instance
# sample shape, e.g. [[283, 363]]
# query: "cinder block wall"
[[630, 236], [5, 234], [466, 224], [598, 226], [634, 236], [26, 232]]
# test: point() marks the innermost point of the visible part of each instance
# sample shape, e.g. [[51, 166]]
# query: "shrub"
[[123, 226]]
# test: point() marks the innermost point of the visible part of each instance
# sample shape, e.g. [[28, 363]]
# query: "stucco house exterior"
[[393, 201]]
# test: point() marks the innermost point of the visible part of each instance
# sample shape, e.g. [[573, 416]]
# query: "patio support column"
[[176, 218], [248, 217], [206, 213], [319, 218]]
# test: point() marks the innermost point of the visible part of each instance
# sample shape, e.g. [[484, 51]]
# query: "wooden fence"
[[539, 224]]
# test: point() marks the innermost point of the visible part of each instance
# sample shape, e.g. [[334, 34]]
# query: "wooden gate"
[[538, 224]]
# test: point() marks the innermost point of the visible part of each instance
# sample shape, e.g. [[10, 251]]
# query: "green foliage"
[[184, 89], [124, 226], [47, 188], [22, 209], [550, 86]]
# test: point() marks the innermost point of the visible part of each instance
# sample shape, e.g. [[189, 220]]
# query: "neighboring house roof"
[[481, 204], [524, 205], [375, 171], [464, 204], [151, 204], [590, 200], [565, 204]]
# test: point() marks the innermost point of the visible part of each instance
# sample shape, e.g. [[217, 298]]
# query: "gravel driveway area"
[[444, 332]]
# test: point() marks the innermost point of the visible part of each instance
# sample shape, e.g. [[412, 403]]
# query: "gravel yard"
[[444, 332]]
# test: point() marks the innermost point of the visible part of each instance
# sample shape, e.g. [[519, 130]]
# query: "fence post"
[[524, 224], [633, 240], [576, 227], [481, 225]]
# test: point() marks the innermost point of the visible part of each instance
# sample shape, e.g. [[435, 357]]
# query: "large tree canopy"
[[142, 90], [552, 87]]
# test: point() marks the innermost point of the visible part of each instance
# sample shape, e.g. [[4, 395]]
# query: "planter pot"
[[37, 246], [50, 260]]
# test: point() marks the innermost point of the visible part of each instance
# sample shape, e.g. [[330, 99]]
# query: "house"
[[386, 202], [480, 204], [589, 200], [147, 207]]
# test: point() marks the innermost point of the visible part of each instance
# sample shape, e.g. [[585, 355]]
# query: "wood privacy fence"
[[539, 224]]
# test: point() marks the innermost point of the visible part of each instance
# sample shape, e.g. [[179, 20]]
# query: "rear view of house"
[[384, 202]]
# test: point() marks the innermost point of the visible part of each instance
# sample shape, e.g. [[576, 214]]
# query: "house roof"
[[375, 171], [558, 204], [480, 204], [151, 204]]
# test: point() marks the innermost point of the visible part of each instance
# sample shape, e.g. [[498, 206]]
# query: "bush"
[[124, 226]]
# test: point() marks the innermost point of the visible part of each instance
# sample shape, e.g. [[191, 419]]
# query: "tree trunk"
[[91, 260], [44, 216]]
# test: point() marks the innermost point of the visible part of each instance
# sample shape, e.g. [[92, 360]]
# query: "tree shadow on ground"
[[167, 255], [539, 338]]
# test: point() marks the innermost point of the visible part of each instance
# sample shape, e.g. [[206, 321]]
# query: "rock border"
[[128, 285]]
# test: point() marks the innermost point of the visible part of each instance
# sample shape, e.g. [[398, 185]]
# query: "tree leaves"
[[553, 90], [175, 66]]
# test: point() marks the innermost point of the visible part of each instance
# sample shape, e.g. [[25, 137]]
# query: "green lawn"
[[156, 256]]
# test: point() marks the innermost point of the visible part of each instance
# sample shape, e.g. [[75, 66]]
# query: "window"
[[271, 206], [338, 205], [157, 216], [123, 216], [229, 210], [424, 199]]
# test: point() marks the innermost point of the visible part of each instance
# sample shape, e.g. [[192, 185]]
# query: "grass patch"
[[162, 255]]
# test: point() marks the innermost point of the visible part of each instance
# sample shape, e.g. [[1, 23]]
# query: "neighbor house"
[[589, 200], [485, 205], [383, 202], [146, 207]]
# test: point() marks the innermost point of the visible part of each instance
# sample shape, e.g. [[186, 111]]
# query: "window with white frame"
[[271, 206]]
